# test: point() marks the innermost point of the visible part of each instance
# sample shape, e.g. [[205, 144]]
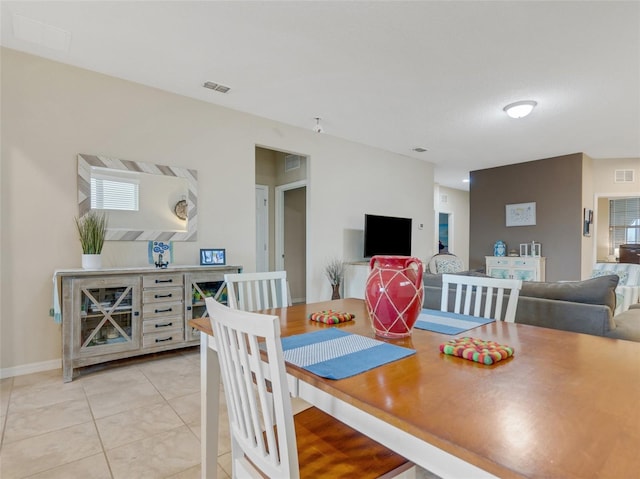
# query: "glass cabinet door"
[[203, 286], [109, 315]]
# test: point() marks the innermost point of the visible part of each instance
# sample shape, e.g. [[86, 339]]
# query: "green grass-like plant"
[[92, 229]]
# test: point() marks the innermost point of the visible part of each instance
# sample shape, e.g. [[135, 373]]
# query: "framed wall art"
[[521, 214]]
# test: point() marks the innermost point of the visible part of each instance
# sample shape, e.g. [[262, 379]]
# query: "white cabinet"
[[526, 268], [355, 279]]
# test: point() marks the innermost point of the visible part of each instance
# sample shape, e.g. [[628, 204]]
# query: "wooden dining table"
[[565, 405]]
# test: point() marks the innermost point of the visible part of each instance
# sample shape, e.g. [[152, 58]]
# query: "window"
[[114, 193], [624, 222]]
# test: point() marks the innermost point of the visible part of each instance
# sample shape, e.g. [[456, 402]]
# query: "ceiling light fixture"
[[520, 109], [318, 127], [419, 149]]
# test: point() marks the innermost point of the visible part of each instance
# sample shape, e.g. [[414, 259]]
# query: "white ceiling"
[[394, 75]]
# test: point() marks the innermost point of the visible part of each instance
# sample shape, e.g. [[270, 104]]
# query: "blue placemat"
[[335, 354], [448, 323]]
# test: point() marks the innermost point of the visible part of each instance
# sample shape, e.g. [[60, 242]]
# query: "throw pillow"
[[448, 265], [623, 275]]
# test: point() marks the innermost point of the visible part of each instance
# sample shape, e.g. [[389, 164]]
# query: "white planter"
[[92, 261]]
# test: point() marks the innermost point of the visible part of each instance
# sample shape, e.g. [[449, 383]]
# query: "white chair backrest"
[[248, 382], [256, 291], [483, 290]]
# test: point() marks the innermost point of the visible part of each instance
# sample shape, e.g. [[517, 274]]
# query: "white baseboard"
[[30, 368]]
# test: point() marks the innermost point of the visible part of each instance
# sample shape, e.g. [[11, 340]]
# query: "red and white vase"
[[393, 294]]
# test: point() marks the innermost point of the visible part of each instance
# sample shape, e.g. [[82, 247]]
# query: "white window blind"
[[624, 222], [113, 193]]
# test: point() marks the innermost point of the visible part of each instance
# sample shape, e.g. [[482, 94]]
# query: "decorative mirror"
[[144, 201]]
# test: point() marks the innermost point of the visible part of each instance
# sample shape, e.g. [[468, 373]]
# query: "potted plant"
[[92, 229], [334, 270]]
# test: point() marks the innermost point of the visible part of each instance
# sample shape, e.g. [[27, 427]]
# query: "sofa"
[[579, 306]]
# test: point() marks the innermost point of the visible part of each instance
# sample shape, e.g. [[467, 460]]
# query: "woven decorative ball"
[[331, 317], [478, 350]]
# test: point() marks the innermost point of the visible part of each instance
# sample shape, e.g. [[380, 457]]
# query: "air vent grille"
[[624, 176], [216, 87], [292, 162], [444, 199]]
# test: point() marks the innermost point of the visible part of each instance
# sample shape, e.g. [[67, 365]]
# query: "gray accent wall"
[[556, 186]]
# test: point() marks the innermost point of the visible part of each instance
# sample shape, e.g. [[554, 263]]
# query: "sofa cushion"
[[627, 326], [599, 290]]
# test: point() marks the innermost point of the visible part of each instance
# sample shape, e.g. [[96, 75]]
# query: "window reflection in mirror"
[[139, 198]]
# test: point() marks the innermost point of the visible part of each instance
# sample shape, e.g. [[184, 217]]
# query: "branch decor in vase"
[[92, 230], [334, 270]]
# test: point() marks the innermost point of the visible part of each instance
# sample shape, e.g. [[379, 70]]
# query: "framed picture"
[[213, 256], [521, 214]]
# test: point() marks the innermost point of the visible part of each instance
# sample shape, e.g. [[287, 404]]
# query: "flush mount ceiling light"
[[419, 149], [520, 109], [318, 127]]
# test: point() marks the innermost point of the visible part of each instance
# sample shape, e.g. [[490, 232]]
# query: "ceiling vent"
[[292, 162], [624, 176], [216, 87]]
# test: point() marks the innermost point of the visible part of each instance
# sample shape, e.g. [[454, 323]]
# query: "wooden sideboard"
[[110, 314]]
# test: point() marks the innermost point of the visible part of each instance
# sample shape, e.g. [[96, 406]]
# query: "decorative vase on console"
[[393, 294]]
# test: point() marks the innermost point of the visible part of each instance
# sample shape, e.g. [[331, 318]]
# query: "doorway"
[[281, 216], [445, 233]]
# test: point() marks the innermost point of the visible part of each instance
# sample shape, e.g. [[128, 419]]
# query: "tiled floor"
[[140, 419], [135, 419]]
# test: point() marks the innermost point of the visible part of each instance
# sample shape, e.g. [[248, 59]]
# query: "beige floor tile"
[[187, 407], [224, 463], [136, 424], [41, 379], [40, 453], [6, 385], [34, 422], [107, 380], [124, 398], [92, 467], [161, 455], [191, 473], [28, 394], [175, 378]]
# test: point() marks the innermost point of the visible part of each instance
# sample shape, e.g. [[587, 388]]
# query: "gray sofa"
[[579, 306]]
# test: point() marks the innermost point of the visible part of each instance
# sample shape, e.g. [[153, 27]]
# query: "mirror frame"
[[86, 162]]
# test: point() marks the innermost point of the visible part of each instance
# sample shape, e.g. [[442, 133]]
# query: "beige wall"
[[45, 124]]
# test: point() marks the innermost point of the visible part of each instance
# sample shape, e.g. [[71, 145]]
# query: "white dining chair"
[[256, 291], [266, 438], [487, 295]]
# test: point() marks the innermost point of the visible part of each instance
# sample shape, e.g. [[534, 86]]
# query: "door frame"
[[279, 219], [264, 234]]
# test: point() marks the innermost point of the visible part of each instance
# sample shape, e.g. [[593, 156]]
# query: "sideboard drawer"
[[162, 280], [498, 262], [161, 325], [162, 338], [163, 310], [161, 295]]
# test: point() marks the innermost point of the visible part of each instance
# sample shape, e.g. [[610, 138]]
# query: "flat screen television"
[[386, 235]]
